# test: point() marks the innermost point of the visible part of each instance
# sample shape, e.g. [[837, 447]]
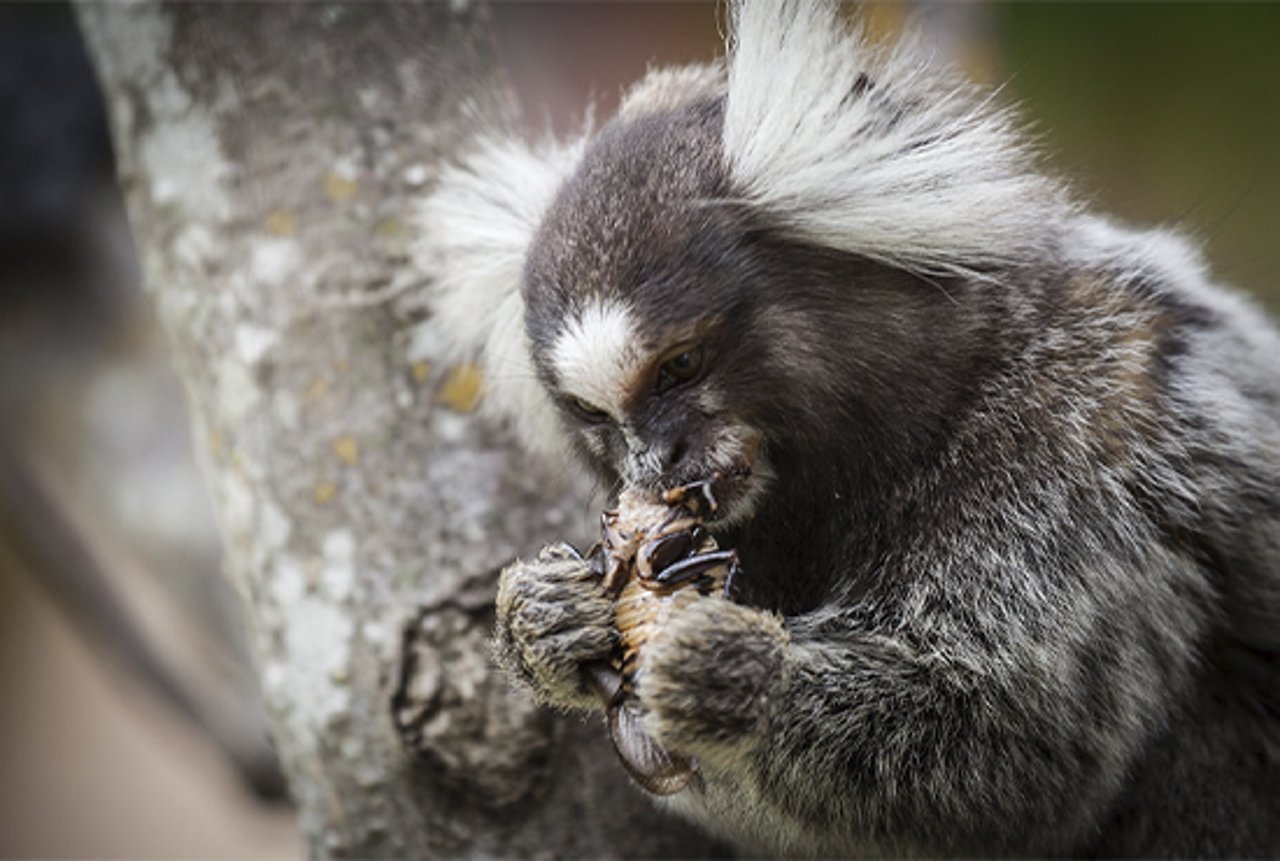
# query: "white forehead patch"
[[597, 355]]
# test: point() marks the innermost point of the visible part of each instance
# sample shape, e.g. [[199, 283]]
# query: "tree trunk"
[[270, 155]]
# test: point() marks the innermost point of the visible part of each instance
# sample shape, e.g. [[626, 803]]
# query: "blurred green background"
[[1161, 113]]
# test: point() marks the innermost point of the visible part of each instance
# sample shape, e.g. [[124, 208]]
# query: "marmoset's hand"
[[553, 617], [710, 677]]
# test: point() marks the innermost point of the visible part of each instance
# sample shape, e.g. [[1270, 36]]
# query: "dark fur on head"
[[1009, 512], [811, 346]]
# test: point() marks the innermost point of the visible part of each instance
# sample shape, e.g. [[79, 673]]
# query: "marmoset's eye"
[[683, 366], [588, 412]]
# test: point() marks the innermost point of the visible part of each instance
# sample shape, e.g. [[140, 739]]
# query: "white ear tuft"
[[476, 228], [874, 151], [661, 89]]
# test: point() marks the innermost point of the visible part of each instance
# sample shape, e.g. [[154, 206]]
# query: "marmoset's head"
[[640, 307], [746, 273]]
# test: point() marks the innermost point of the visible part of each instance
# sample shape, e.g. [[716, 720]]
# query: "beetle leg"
[[697, 496], [601, 677], [690, 569], [615, 574], [595, 557], [661, 553], [730, 579], [609, 528], [708, 498]]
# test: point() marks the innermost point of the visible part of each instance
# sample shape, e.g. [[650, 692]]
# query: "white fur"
[[1158, 254], [597, 356], [919, 170], [725, 455], [642, 460], [477, 225], [661, 89]]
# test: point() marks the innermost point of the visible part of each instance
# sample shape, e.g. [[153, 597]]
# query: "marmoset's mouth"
[[723, 486], [738, 495], [733, 486]]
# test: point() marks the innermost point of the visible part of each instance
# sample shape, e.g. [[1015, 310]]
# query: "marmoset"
[[1002, 476]]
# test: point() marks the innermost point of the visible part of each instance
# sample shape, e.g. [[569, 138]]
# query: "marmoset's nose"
[[651, 458]]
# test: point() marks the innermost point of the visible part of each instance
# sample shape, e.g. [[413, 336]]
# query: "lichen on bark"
[[270, 155]]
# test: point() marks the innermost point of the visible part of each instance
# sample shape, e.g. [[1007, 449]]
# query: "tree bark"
[[270, 155]]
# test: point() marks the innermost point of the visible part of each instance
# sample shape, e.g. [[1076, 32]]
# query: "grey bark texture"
[[270, 155]]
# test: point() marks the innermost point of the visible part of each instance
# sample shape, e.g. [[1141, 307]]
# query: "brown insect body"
[[656, 559]]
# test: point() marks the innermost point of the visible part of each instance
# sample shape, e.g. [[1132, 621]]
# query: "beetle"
[[653, 559]]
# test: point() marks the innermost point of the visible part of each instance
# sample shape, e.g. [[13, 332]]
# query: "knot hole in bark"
[[472, 731]]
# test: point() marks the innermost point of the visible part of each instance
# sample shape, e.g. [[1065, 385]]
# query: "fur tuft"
[[476, 226], [875, 152], [663, 89]]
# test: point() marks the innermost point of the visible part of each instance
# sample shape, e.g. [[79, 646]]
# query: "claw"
[[561, 550]]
